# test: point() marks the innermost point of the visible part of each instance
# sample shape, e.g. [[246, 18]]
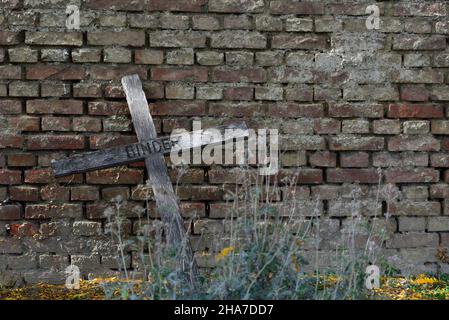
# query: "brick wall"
[[346, 99]]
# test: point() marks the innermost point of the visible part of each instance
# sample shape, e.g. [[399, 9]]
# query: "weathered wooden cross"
[[152, 149]]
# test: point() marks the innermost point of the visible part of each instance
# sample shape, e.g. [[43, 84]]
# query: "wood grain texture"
[[111, 157], [166, 200]]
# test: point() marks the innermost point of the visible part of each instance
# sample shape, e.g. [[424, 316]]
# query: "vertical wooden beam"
[[166, 200]]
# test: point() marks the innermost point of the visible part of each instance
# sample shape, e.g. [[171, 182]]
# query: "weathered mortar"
[[348, 101]]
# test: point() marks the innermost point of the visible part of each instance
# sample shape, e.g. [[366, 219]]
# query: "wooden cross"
[[152, 149]]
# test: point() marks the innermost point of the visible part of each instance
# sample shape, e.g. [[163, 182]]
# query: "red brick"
[[10, 106], [183, 192], [333, 78], [418, 76], [24, 123], [118, 5], [302, 94], [440, 127], [355, 142], [107, 108], [193, 209], [198, 193], [23, 89], [225, 74], [413, 240], [55, 72], [140, 192], [187, 176], [54, 192], [179, 92], [445, 144], [46, 175], [101, 72], [21, 160], [236, 109], [39, 175], [10, 176], [413, 143], [302, 142], [237, 22], [9, 140], [109, 140], [51, 142], [350, 110], [98, 210], [325, 192], [178, 108], [10, 72], [327, 126], [414, 93], [235, 176], [114, 91], [239, 93], [415, 111], [288, 75], [352, 8], [24, 193], [418, 42], [352, 175], [55, 106], [56, 124], [236, 6], [145, 56], [24, 229], [294, 41], [310, 176], [440, 191], [439, 160], [412, 208], [8, 38], [169, 125], [54, 38], [295, 110], [301, 176], [198, 74], [220, 210], [432, 9], [87, 90], [46, 211], [11, 245], [177, 5], [115, 176], [178, 38], [10, 212], [87, 124], [295, 7], [415, 175], [84, 193], [400, 159], [121, 38], [323, 159], [354, 159], [387, 126], [238, 39]]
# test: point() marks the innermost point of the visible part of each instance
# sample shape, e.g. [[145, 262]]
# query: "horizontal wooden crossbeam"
[[111, 157]]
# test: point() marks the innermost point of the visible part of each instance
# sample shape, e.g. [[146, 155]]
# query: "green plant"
[[269, 249]]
